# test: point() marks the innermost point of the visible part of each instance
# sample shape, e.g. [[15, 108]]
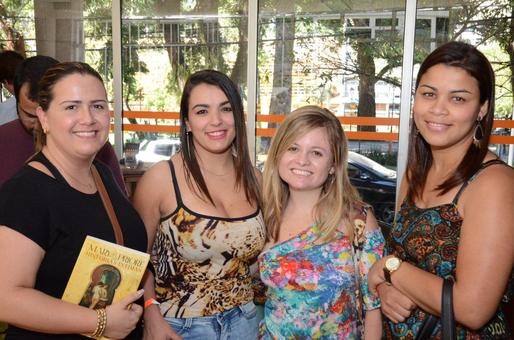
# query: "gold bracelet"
[[101, 322]]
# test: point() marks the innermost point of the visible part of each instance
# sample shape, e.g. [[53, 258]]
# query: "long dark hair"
[[245, 173], [468, 58]]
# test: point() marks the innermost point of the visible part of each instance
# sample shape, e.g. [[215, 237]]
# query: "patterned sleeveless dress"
[[429, 239]]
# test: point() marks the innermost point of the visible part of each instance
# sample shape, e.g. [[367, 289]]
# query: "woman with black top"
[[50, 206]]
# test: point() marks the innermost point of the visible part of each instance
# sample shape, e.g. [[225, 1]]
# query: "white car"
[[157, 150]]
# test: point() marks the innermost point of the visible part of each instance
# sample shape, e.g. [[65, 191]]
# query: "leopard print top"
[[202, 263]]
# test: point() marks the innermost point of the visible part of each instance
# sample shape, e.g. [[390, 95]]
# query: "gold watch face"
[[392, 263]]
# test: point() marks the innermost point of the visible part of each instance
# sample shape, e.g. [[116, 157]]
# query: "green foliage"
[[98, 26], [492, 23], [16, 23]]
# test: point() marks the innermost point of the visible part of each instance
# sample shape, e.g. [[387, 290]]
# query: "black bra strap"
[[472, 178], [175, 184], [41, 158]]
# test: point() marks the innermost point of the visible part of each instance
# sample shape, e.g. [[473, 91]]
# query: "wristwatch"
[[391, 265]]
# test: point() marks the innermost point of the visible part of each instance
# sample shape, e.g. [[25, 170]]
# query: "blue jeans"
[[238, 323]]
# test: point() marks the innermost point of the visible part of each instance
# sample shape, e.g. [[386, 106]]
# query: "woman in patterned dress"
[[456, 216], [315, 277], [205, 229]]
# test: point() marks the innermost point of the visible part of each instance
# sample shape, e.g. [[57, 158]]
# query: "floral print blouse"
[[312, 288]]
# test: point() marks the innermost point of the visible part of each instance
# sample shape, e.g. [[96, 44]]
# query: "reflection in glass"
[[340, 55], [485, 24], [164, 42]]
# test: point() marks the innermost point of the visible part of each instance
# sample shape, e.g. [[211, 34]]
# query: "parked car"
[[375, 183], [157, 150]]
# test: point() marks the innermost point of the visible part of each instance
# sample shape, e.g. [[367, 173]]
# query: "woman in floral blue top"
[[321, 239]]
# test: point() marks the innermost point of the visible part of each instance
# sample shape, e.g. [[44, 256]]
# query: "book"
[[104, 273]]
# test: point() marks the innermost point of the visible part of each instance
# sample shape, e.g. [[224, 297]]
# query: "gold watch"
[[391, 265]]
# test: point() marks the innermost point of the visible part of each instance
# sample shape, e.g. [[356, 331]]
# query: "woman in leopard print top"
[[205, 228]]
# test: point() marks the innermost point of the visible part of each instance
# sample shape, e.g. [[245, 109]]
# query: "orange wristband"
[[151, 301]]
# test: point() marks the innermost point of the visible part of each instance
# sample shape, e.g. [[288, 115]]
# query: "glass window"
[[339, 55], [67, 30], [353, 171], [342, 57], [485, 25], [163, 43]]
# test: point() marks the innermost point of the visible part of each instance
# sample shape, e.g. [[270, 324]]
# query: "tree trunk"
[[238, 74], [510, 51], [367, 80], [283, 66], [174, 52], [210, 34]]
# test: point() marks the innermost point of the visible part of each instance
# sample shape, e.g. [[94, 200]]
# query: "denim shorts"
[[237, 323]]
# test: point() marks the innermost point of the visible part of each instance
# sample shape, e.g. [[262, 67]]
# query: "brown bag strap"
[[107, 205]]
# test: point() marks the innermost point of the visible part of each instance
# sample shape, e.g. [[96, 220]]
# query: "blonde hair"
[[337, 196]]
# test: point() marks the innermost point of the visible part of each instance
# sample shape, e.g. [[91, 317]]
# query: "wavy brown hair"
[[337, 195], [471, 60]]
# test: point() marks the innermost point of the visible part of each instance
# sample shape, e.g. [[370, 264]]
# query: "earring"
[[479, 132], [189, 144], [45, 131]]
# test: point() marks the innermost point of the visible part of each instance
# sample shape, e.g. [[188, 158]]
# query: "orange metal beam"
[[344, 120], [149, 128], [371, 121], [501, 139], [503, 123], [149, 114], [270, 132]]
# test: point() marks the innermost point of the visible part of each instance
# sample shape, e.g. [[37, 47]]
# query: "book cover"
[[104, 273]]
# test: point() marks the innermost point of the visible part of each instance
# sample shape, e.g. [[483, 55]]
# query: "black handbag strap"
[[447, 317], [448, 329], [427, 328]]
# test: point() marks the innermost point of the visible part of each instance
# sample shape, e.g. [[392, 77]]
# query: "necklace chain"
[[89, 186], [213, 173]]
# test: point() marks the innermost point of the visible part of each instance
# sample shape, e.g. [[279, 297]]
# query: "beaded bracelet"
[[100, 323]]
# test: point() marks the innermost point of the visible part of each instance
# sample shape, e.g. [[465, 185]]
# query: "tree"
[[366, 59], [238, 74], [207, 43], [10, 25], [493, 22], [98, 27]]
